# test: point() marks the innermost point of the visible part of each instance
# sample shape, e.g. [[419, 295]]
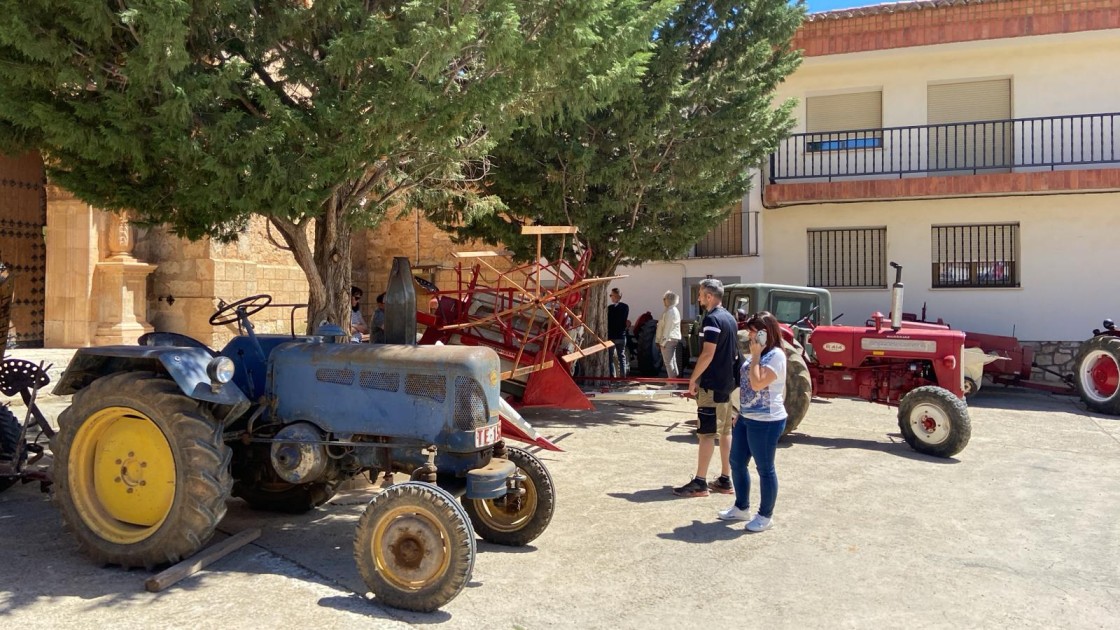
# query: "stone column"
[[121, 287]]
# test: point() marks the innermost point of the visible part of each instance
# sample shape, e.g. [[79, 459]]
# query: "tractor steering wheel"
[[230, 313], [807, 319]]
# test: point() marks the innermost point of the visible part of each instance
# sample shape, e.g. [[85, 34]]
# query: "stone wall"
[[184, 291], [428, 249], [1057, 356]]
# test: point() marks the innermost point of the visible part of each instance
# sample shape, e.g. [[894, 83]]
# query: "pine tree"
[[647, 176], [321, 115]]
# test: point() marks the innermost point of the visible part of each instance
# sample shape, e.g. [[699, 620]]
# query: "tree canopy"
[[648, 175], [199, 113]]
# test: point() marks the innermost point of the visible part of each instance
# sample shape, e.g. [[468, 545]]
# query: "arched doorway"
[[23, 217]]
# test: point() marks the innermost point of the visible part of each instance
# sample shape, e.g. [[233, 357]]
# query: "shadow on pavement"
[[652, 495], [901, 449], [706, 532], [360, 605]]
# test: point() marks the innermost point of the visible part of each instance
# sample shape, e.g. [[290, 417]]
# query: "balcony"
[[995, 157]]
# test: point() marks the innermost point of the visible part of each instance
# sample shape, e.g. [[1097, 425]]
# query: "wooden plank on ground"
[[195, 563]]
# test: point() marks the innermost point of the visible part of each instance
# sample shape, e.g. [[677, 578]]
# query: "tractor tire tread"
[[960, 430], [535, 469], [1104, 343], [9, 436], [799, 388], [205, 482], [463, 547]]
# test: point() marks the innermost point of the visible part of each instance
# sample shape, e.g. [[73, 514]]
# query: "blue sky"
[[816, 6]]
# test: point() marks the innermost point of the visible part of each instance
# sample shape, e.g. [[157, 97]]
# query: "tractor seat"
[[174, 340]]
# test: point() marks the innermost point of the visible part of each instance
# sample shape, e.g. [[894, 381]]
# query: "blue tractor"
[[160, 435]]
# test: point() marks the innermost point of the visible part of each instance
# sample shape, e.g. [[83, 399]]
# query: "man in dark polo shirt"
[[617, 314], [713, 380]]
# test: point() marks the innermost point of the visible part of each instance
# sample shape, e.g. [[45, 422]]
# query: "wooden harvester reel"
[[529, 314]]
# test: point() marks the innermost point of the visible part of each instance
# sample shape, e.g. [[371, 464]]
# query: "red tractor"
[[1097, 375], [917, 369]]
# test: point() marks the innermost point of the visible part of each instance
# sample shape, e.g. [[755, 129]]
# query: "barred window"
[[848, 258], [975, 255]]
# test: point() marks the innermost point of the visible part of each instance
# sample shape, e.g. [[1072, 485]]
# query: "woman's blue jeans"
[[754, 438]]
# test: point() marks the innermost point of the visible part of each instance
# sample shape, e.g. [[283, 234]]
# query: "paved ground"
[[1020, 531]]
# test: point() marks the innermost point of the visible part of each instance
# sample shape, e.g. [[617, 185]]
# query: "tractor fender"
[[186, 366]]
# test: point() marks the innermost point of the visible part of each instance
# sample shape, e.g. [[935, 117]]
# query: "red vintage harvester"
[[530, 314]]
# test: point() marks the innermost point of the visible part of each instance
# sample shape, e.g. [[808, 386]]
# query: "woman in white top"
[[669, 334], [761, 420]]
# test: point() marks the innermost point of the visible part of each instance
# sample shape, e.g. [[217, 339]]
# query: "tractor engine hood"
[[445, 395]]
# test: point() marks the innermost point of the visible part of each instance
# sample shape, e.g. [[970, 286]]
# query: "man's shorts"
[[720, 422]]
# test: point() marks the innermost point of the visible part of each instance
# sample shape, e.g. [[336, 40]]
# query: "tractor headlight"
[[220, 370]]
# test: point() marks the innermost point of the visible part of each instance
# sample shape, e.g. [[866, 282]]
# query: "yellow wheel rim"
[[411, 549], [509, 514], [122, 475]]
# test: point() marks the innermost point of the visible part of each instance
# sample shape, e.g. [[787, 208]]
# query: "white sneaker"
[[734, 514], [760, 523]]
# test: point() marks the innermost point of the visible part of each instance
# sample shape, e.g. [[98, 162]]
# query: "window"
[[790, 307], [976, 255], [848, 258], [970, 128], [844, 121], [737, 235]]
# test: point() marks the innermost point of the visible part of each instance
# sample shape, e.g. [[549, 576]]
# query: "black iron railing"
[[736, 236], [1019, 144]]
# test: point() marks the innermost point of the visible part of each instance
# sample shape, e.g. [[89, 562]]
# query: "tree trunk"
[[595, 318], [327, 267]]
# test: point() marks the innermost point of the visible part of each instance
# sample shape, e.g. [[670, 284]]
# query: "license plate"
[[485, 436]]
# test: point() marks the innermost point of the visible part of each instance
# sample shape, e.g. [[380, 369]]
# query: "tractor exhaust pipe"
[[896, 298], [400, 304]]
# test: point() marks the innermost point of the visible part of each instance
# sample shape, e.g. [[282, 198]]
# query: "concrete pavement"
[[1020, 530]]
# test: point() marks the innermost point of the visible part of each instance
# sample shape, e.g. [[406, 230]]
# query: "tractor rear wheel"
[[934, 421], [140, 470], [799, 388], [9, 438], [516, 521], [414, 547], [1097, 374]]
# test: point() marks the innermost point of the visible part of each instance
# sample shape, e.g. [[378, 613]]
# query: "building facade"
[[86, 277], [975, 143]]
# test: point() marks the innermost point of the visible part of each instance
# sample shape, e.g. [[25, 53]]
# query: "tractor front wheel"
[[414, 547], [141, 474], [934, 421], [516, 520], [1097, 374], [9, 439]]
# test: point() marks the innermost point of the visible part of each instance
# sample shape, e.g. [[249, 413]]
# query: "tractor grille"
[[335, 375], [470, 404], [426, 386], [384, 381]]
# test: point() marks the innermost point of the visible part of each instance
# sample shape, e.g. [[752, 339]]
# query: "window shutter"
[[844, 112], [968, 102]]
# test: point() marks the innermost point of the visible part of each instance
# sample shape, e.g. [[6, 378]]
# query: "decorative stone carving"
[[120, 287]]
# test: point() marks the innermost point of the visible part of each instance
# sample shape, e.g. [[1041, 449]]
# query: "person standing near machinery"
[[618, 312]]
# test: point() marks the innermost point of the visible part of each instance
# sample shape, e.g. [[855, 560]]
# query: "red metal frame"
[[524, 314]]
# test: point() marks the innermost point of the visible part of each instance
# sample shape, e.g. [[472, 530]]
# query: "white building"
[[976, 143]]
